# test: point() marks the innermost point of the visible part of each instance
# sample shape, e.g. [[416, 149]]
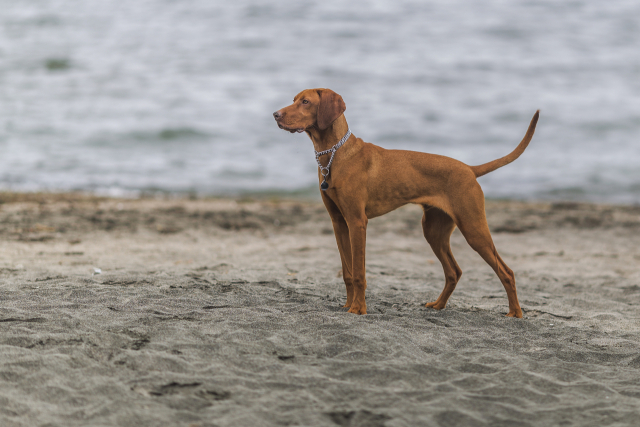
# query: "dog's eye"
[[304, 101]]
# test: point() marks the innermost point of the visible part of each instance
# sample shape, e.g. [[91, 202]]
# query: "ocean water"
[[177, 96]]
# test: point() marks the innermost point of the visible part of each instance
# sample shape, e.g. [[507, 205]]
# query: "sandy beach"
[[221, 312]]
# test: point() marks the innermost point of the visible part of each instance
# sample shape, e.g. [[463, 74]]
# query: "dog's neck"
[[325, 139]]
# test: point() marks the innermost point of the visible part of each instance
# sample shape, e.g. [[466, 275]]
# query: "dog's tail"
[[498, 163]]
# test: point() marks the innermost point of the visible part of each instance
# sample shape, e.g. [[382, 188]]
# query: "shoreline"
[[225, 312], [308, 194]]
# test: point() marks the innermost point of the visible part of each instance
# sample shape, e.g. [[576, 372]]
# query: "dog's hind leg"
[[474, 228], [437, 227]]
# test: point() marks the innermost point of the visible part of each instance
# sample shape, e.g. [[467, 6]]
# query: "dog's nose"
[[277, 115]]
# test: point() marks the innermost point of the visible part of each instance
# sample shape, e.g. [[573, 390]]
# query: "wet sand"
[[228, 313]]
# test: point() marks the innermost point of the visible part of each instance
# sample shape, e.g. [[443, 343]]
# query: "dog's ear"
[[331, 107]]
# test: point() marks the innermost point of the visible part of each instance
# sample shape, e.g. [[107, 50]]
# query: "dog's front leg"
[[358, 240], [341, 231]]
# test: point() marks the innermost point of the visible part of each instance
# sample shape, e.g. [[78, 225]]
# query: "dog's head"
[[311, 108]]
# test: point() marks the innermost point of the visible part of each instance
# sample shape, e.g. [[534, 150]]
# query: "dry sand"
[[228, 313]]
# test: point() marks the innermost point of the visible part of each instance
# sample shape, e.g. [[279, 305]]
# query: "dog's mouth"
[[292, 130]]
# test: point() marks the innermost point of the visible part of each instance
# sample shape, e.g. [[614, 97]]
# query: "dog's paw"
[[358, 310], [435, 304], [515, 313]]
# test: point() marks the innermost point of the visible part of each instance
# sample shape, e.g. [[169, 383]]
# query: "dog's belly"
[[378, 208]]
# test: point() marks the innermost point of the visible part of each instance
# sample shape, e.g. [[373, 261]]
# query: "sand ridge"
[[226, 312]]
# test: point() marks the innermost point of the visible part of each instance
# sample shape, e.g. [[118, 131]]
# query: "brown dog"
[[366, 181]]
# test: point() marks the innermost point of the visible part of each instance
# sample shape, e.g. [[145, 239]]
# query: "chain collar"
[[324, 170]]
